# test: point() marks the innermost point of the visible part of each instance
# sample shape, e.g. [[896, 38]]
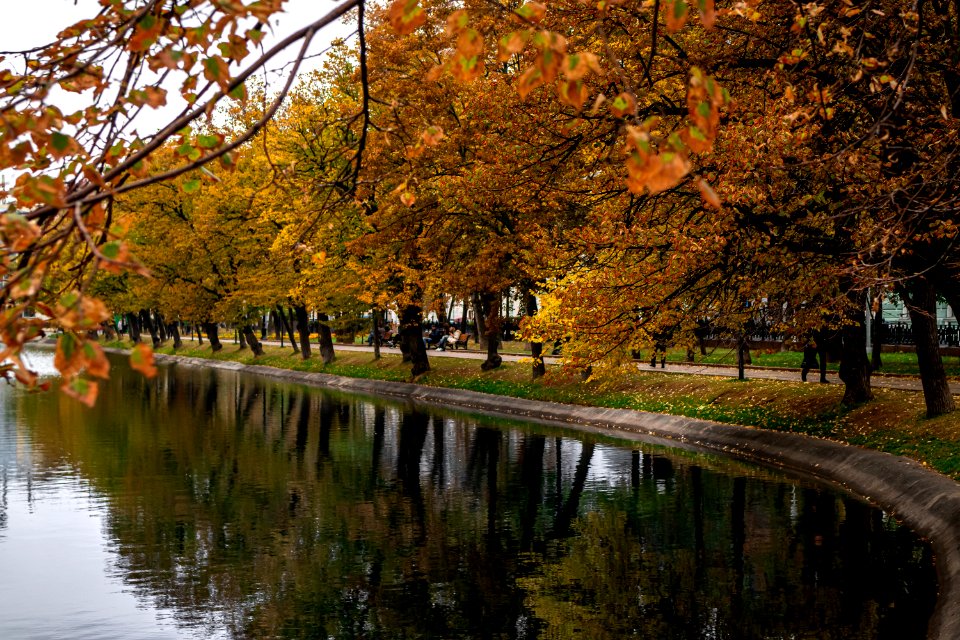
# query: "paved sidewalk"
[[905, 383]]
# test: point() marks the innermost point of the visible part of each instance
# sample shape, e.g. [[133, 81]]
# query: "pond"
[[213, 504]]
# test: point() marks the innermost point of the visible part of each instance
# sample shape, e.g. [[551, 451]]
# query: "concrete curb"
[[927, 502]]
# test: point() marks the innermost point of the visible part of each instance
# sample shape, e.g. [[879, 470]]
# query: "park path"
[[904, 382]]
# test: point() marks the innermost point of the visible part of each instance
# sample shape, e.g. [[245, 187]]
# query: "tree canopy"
[[641, 168]]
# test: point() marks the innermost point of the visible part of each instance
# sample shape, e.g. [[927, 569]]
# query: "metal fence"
[[902, 333], [889, 333]]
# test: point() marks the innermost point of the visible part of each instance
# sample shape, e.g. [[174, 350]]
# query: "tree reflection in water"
[[279, 511]]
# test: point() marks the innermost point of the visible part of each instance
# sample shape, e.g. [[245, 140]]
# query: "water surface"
[[214, 504]]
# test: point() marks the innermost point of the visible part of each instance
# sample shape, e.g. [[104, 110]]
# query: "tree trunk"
[[199, 334], [490, 305], [920, 299], [854, 364], [479, 315], [263, 327], [147, 323], [536, 348], [133, 328], [161, 326], [251, 337], [877, 336], [411, 336], [375, 320], [303, 330], [110, 330], [213, 335], [325, 338], [287, 323], [741, 360], [241, 337], [173, 329], [275, 321]]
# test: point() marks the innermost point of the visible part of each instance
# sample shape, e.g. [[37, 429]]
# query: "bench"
[[462, 341]]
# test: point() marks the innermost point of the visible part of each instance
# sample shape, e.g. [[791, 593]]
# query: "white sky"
[[29, 23]]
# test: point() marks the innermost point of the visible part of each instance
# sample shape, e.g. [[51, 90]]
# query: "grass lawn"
[[893, 422]]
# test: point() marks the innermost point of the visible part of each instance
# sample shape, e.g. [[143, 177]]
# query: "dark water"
[[208, 504]]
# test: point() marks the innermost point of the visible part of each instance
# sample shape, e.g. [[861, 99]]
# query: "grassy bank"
[[894, 422]]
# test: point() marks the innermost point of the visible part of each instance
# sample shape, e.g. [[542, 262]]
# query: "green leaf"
[[187, 150], [208, 142], [239, 92], [191, 186], [111, 249], [59, 141]]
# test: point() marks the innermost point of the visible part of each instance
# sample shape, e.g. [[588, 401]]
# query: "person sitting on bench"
[[449, 339]]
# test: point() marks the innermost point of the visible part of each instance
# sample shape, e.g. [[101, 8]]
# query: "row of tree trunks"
[[536, 348], [146, 322], [303, 329], [251, 339], [854, 364], [920, 298], [489, 309], [411, 339], [173, 330], [325, 338], [213, 335], [287, 324], [133, 328]]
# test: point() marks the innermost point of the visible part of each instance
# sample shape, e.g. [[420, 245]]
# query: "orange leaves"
[[709, 196], [660, 169], [657, 172], [432, 136], [405, 16], [89, 78], [467, 63], [457, 22], [69, 358], [573, 90], [552, 51], [573, 93], [31, 190], [647, 168], [511, 44], [624, 105], [146, 33], [705, 98], [215, 69], [80, 313], [154, 97], [532, 12], [18, 232], [551, 60], [577, 65], [83, 390], [675, 14], [708, 13], [75, 356], [528, 81], [97, 363], [141, 359], [61, 145], [407, 197]]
